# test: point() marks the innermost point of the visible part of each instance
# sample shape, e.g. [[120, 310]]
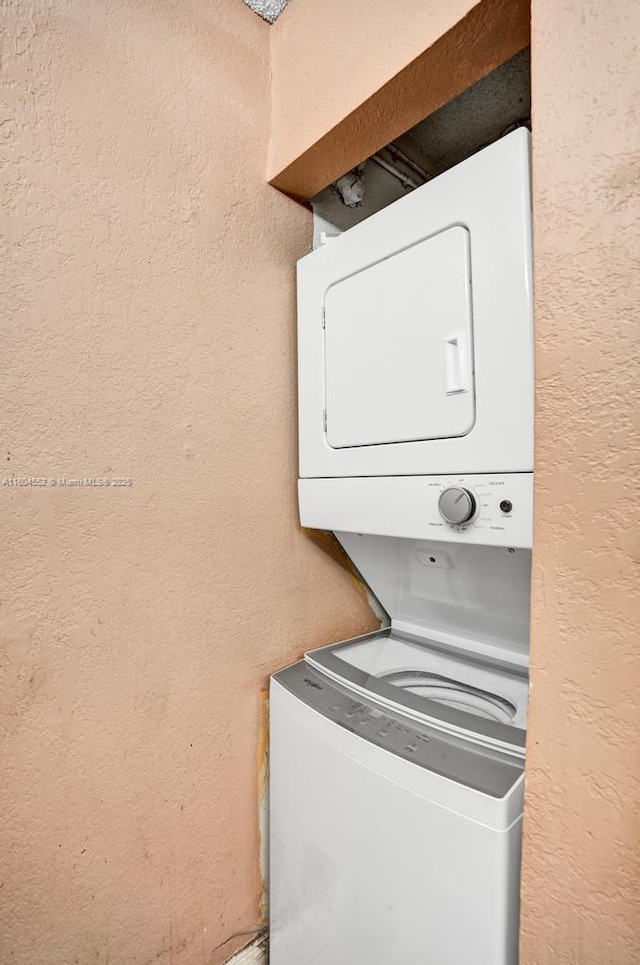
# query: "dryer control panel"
[[489, 509], [486, 504]]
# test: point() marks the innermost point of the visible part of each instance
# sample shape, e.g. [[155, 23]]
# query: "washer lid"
[[399, 347], [472, 598], [483, 701], [432, 671]]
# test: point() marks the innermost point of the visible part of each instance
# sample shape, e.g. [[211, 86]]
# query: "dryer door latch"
[[456, 364]]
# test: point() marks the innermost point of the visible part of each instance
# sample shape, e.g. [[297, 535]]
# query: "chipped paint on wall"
[[269, 10]]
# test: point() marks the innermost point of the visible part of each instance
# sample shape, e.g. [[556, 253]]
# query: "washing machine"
[[392, 840], [397, 758]]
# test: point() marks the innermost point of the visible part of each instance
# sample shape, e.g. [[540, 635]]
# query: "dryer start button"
[[456, 505]]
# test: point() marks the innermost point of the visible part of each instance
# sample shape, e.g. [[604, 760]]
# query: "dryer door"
[[399, 347], [415, 348]]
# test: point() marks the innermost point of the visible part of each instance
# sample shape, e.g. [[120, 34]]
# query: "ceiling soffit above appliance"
[[483, 113]]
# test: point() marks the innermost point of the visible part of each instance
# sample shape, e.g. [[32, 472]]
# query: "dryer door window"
[[399, 347]]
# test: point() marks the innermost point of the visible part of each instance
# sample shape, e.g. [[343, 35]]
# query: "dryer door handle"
[[456, 360]]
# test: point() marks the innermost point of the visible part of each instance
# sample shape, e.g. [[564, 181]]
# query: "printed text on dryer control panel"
[[490, 509], [484, 503]]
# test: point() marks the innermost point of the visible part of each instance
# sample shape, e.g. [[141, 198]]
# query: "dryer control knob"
[[456, 505]]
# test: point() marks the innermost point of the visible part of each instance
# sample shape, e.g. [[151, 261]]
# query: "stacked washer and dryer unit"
[[397, 757]]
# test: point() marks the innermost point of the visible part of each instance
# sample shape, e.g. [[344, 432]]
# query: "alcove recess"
[[481, 114]]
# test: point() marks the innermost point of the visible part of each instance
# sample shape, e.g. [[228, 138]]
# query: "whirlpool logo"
[[312, 683]]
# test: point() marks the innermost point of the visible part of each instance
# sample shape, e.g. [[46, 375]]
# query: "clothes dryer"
[[415, 331]]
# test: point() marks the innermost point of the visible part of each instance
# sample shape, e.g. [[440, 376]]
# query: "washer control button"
[[506, 505], [456, 505]]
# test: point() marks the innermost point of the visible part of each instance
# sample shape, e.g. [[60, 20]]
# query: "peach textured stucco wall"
[[148, 332], [581, 869]]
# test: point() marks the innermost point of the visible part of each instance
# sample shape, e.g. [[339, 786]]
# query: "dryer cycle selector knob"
[[456, 505]]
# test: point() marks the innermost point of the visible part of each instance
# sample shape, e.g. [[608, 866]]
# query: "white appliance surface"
[[396, 758], [411, 666], [377, 857], [407, 506], [415, 338], [398, 358], [473, 698], [474, 599]]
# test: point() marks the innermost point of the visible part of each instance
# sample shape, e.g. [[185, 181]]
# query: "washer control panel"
[[491, 771]]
